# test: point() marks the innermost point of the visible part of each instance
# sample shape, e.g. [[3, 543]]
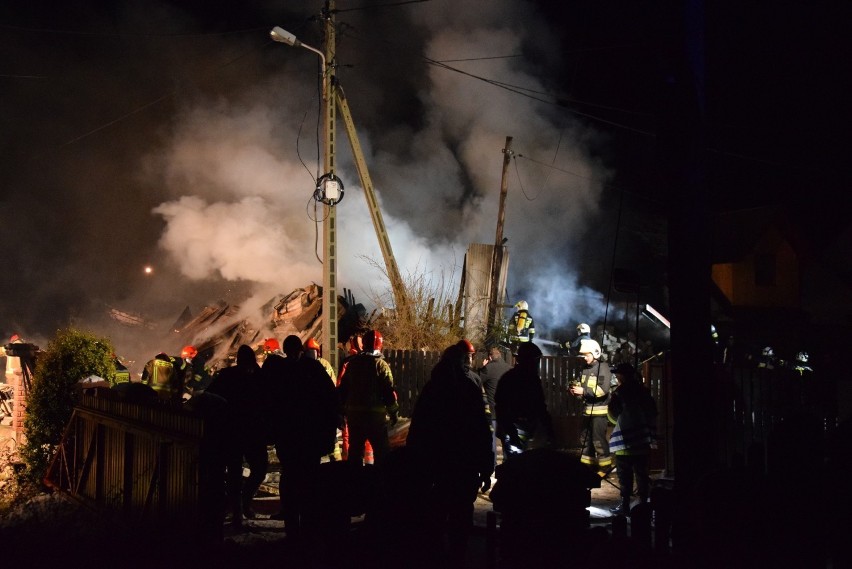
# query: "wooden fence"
[[139, 460]]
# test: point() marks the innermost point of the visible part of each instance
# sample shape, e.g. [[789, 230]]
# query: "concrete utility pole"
[[497, 255], [329, 227]]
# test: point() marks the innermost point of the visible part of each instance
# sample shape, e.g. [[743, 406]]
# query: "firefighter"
[[164, 374], [122, 374], [634, 414], [594, 389], [368, 399], [313, 351], [270, 346], [197, 376], [584, 332], [356, 346], [521, 328]]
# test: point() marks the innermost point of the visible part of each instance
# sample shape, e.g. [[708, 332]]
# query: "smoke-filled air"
[[197, 151]]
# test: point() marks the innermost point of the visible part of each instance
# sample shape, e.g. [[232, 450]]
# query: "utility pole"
[[329, 231], [497, 254]]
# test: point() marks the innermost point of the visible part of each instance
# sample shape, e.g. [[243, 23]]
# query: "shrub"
[[71, 356]]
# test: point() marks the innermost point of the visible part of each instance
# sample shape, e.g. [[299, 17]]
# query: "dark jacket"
[[490, 375], [449, 427], [520, 399], [304, 408]]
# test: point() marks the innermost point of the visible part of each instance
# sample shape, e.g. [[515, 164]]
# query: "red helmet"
[[188, 352], [271, 345], [312, 344], [467, 346], [14, 338], [373, 341]]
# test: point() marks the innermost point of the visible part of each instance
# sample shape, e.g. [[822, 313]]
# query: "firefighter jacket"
[[366, 388], [521, 327], [634, 413], [595, 380], [165, 375], [329, 370]]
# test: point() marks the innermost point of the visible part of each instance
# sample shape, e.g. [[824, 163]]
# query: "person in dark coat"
[[519, 401], [240, 385], [212, 463], [306, 417], [450, 439], [490, 373]]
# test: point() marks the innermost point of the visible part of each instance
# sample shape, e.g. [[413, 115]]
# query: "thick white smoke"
[[241, 208]]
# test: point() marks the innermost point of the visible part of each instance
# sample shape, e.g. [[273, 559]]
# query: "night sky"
[[176, 135]]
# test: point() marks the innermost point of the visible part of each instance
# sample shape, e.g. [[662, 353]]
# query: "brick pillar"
[[19, 398]]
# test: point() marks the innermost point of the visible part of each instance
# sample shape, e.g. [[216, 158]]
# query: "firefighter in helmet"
[[270, 346], [196, 373], [593, 388], [584, 332], [164, 374], [313, 351], [368, 399], [521, 328]]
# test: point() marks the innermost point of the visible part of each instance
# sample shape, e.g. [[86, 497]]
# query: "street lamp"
[[329, 188]]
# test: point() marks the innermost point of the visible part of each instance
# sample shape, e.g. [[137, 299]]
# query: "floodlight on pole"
[[329, 186]]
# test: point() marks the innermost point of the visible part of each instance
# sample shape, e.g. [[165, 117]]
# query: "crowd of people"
[[287, 397]]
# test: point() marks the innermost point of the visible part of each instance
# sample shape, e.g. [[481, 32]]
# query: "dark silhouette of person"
[[306, 417], [519, 401], [241, 386], [449, 439], [216, 442], [490, 373]]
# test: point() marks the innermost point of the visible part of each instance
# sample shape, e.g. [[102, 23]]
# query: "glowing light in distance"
[[148, 269]]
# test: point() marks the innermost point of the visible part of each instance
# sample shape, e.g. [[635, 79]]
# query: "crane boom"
[[397, 286]]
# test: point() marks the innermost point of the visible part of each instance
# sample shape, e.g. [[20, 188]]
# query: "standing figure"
[[519, 400], [305, 416], [450, 440], [584, 332], [634, 414], [241, 386], [368, 399], [197, 375], [490, 373], [594, 390], [164, 374], [521, 327], [313, 351]]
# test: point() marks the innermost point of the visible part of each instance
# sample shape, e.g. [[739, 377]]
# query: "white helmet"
[[583, 328], [522, 305], [590, 347]]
